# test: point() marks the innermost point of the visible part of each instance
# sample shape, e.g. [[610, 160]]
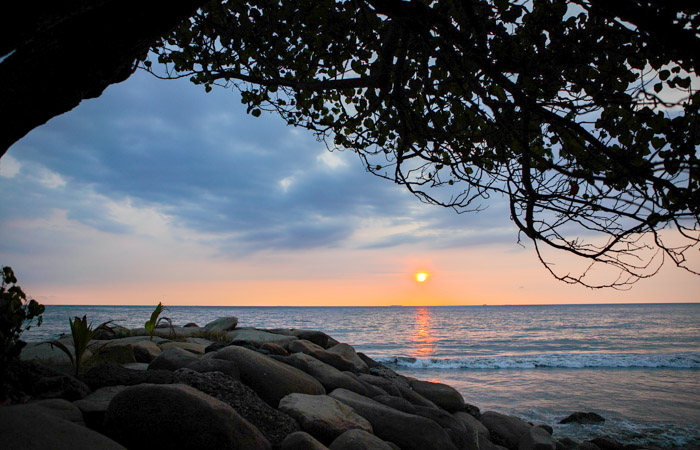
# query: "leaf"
[[658, 87]]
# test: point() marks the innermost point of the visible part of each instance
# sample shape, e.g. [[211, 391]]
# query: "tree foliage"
[[583, 114], [16, 316]]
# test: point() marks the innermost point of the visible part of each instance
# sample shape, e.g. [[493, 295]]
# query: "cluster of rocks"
[[221, 386]]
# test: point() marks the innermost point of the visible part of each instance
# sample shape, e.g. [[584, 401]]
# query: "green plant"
[[82, 334], [153, 322], [16, 315]]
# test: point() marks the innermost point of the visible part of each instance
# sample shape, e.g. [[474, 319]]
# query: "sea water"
[[636, 365]]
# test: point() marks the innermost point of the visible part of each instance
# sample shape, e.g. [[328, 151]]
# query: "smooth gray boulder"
[[382, 383], [414, 397], [446, 397], [172, 359], [477, 430], [323, 355], [359, 440], [505, 430], [270, 379], [197, 349], [301, 440], [216, 365], [399, 403], [94, 406], [32, 427], [536, 438], [330, 377], [408, 431], [317, 337], [221, 325], [62, 409], [323, 417], [258, 337], [177, 416], [48, 354], [348, 352]]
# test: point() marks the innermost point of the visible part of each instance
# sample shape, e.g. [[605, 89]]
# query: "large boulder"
[[32, 427], [321, 416], [358, 440], [94, 406], [330, 377], [177, 416], [197, 349], [399, 403], [408, 431], [29, 379], [414, 397], [116, 375], [332, 359], [347, 352], [172, 359], [477, 430], [505, 430], [258, 337], [215, 365], [301, 440], [446, 397], [273, 424], [536, 438], [383, 383], [317, 337], [270, 379], [583, 418], [62, 409], [221, 325], [46, 353]]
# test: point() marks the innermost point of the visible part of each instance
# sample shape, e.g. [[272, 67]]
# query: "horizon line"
[[391, 306]]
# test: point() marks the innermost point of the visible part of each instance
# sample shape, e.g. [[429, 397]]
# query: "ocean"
[[636, 365]]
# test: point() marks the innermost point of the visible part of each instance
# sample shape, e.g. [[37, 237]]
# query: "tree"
[[582, 113]]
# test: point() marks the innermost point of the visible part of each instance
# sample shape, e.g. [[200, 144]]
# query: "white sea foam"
[[554, 360]]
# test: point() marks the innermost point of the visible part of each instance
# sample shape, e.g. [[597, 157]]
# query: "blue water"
[[637, 365]]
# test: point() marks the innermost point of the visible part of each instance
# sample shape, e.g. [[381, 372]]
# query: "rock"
[[359, 440], [215, 347], [32, 427], [62, 409], [476, 430], [606, 443], [330, 377], [273, 424], [127, 350], [270, 379], [317, 337], [414, 397], [216, 365], [48, 354], [408, 431], [318, 352], [372, 390], [388, 374], [321, 416], [472, 410], [586, 446], [258, 337], [446, 397], [583, 418], [27, 379], [117, 332], [172, 359], [221, 325], [536, 438], [190, 324], [301, 440], [177, 416], [347, 352], [274, 349], [367, 360], [457, 431], [191, 347], [546, 428], [399, 403], [387, 385], [115, 375], [568, 442], [169, 332], [94, 406], [201, 341], [505, 430]]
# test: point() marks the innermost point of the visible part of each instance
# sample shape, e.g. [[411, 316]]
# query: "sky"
[[158, 191]]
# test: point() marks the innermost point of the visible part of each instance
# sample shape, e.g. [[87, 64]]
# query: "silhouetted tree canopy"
[[582, 114]]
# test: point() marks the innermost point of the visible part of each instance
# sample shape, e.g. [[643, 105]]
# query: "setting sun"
[[421, 277]]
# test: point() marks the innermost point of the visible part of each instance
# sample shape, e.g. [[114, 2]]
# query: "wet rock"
[[348, 353], [221, 325], [177, 416], [367, 360], [446, 397], [172, 359], [301, 440], [32, 427], [505, 430], [536, 438], [359, 440], [408, 431], [583, 418], [270, 379], [272, 423], [323, 417]]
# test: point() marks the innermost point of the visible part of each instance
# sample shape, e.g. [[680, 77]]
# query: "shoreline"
[[295, 351]]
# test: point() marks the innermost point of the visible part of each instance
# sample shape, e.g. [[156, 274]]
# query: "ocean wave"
[[553, 360]]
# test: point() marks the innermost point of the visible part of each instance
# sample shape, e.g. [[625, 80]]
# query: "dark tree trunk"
[[61, 52]]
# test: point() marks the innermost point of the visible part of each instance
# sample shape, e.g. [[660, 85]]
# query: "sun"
[[421, 277]]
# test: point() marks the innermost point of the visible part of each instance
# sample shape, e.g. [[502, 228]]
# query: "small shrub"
[[153, 322], [16, 315], [83, 334]]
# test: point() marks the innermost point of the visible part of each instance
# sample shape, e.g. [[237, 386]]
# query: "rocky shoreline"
[[224, 386]]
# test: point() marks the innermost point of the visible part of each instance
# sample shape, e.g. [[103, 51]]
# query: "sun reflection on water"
[[423, 338]]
